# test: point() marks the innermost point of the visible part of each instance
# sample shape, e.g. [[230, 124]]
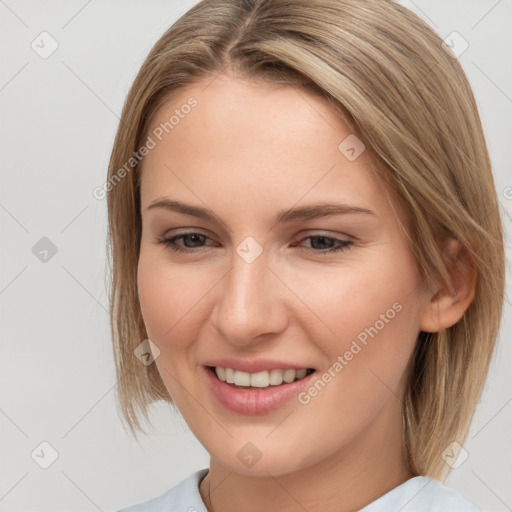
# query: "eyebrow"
[[289, 215]]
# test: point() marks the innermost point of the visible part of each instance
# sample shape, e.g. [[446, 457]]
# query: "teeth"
[[230, 375], [258, 380], [221, 373], [262, 379], [276, 377], [242, 378], [301, 373]]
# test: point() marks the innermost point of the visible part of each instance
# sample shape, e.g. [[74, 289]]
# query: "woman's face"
[[263, 279]]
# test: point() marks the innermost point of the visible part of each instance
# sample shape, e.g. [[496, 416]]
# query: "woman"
[[307, 255]]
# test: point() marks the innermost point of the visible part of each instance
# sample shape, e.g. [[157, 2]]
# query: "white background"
[[58, 121]]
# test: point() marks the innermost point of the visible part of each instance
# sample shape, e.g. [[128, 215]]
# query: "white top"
[[418, 494]]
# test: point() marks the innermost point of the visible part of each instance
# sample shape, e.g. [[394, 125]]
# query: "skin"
[[246, 151]]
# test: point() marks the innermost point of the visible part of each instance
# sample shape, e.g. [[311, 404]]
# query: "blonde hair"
[[410, 102]]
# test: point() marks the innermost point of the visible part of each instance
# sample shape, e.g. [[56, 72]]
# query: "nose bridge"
[[246, 307]]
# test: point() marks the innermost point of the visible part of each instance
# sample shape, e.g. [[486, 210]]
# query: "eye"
[[194, 241], [333, 244]]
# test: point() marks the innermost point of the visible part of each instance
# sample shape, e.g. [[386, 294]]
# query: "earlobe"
[[452, 298]]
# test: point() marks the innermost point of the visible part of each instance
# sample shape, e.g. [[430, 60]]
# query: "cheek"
[[373, 314], [170, 299], [351, 300], [365, 361], [170, 302]]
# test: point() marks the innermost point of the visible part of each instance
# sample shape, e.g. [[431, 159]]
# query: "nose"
[[250, 302]]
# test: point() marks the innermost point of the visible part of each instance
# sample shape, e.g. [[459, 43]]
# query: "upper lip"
[[254, 365]]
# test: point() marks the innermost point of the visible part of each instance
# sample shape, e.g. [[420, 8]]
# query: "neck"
[[369, 466]]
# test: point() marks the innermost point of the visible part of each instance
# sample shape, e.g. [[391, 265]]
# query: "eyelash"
[[170, 244]]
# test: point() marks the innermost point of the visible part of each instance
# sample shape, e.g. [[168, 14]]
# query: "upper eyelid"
[[204, 232]]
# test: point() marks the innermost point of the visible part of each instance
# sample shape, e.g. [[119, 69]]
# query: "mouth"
[[259, 381], [256, 393]]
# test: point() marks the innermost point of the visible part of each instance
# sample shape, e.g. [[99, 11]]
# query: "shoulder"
[[420, 494], [183, 496]]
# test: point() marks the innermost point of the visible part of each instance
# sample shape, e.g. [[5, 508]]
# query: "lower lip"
[[254, 401]]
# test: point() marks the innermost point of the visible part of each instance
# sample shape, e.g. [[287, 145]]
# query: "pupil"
[[322, 240], [195, 238]]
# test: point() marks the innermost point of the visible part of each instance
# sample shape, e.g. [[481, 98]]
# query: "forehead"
[[256, 143], [250, 113]]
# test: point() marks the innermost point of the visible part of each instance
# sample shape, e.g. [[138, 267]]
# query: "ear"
[[451, 299]]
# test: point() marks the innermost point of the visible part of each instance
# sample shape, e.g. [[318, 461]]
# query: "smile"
[[263, 379], [269, 392]]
